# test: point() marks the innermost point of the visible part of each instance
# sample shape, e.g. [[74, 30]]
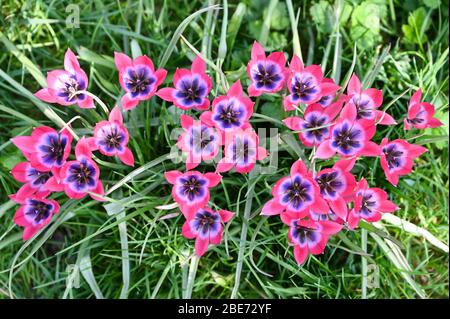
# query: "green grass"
[[137, 253]]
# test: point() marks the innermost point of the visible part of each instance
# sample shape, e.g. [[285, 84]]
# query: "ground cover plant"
[[97, 111]]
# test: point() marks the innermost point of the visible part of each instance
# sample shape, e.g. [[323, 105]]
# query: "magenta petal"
[[354, 85], [186, 121], [324, 151], [160, 76], [166, 94], [198, 65], [19, 172], [128, 103], [300, 254], [213, 178], [201, 246], [236, 89], [99, 191], [71, 62], [122, 61], [225, 215], [171, 176], [24, 143], [186, 231], [257, 51], [116, 115], [87, 103], [44, 95], [224, 165], [127, 157], [82, 149], [272, 207], [339, 207]]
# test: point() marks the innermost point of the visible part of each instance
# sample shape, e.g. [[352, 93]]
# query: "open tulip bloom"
[[34, 213], [138, 78], [111, 138], [369, 204], [34, 181], [206, 226], [63, 85], [420, 114], [367, 103], [306, 85], [267, 74], [230, 112], [242, 150], [191, 189], [199, 141], [191, 87]]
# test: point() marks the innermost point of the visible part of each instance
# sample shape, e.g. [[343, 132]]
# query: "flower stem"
[[191, 277], [95, 97]]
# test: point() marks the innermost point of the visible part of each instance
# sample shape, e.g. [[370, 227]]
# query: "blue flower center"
[[266, 76], [139, 81], [53, 149], [393, 156], [38, 210]]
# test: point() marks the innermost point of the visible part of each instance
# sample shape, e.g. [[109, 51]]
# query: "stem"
[[191, 277], [242, 242], [95, 97], [296, 39], [364, 264]]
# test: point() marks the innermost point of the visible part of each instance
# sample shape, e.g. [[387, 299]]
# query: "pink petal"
[[82, 149], [29, 232], [145, 60], [122, 61], [201, 246], [54, 185], [371, 149], [87, 103], [278, 58], [299, 167], [236, 89], [375, 95], [224, 165], [383, 118], [434, 122], [262, 153], [128, 103], [319, 247], [186, 231], [186, 121], [213, 178], [206, 118], [24, 143], [327, 88], [324, 151], [416, 150], [316, 71], [345, 164], [320, 206], [160, 76], [198, 65], [171, 176], [99, 191], [216, 239], [294, 122], [204, 106], [339, 207], [354, 85], [127, 157], [179, 73], [166, 94], [330, 228], [387, 206], [116, 115], [272, 207], [19, 172], [353, 219], [252, 91], [257, 51], [300, 254], [296, 63], [349, 112], [44, 95], [71, 62], [225, 215], [415, 98]]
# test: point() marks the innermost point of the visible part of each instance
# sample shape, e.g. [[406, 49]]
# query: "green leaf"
[[418, 24], [433, 4], [366, 24]]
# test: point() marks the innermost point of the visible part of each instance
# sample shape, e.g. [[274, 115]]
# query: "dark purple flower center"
[[419, 119], [202, 139], [243, 150], [229, 114], [296, 193], [302, 234], [205, 223], [72, 85], [112, 138], [304, 88], [363, 106], [325, 100], [368, 204], [329, 183], [191, 91], [346, 138], [139, 81], [393, 156], [38, 210], [82, 174], [266, 76], [312, 124], [192, 187], [38, 178], [52, 150]]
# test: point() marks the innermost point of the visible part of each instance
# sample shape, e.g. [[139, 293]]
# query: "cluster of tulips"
[[314, 205]]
